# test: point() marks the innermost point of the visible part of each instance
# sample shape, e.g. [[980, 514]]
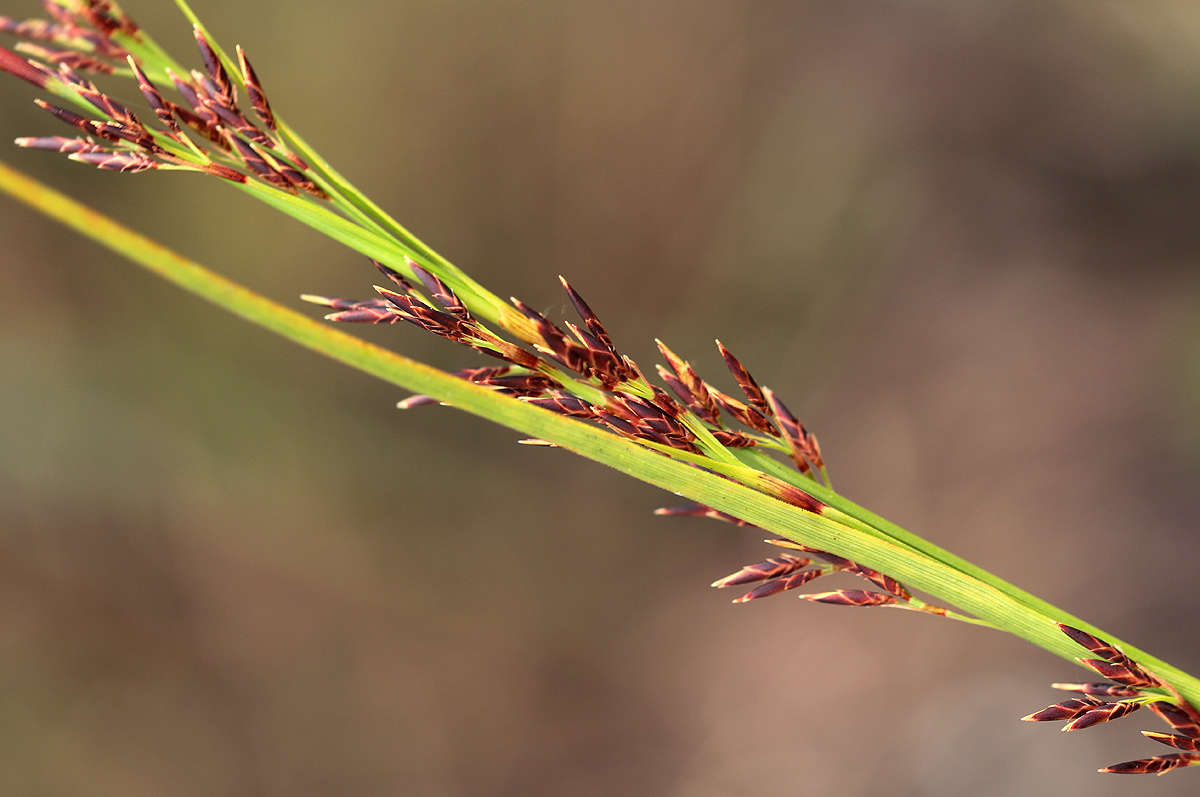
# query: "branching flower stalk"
[[744, 460]]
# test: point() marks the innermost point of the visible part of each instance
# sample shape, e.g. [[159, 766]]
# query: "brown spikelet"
[[733, 439], [223, 89], [1158, 765], [1189, 744], [851, 597], [620, 425], [1099, 689], [884, 582], [127, 162], [367, 315], [1181, 721], [1126, 673], [441, 293], [1104, 713], [63, 115], [742, 412], [71, 59], [790, 494], [1093, 644], [564, 404], [688, 385], [217, 170], [801, 442], [258, 164], [230, 115], [745, 381], [258, 100], [590, 319], [778, 585], [554, 343], [1066, 710], [60, 144], [761, 571], [155, 100]]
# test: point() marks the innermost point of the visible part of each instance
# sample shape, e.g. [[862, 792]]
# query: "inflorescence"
[[204, 130], [581, 374]]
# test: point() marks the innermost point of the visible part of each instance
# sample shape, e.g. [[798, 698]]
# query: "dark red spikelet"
[[230, 115], [778, 585], [59, 144], [105, 104], [688, 385], [884, 582], [1100, 689], [1158, 765], [224, 172], [441, 293], [224, 91], [69, 117], [793, 495], [254, 89], [761, 571], [394, 277], [1180, 720], [590, 320], [1093, 643], [1126, 673], [1188, 744], [805, 451], [555, 344], [1066, 710], [133, 133], [745, 381], [256, 163], [127, 162], [851, 597], [367, 315], [1112, 663], [733, 439], [155, 100], [20, 67], [743, 413], [71, 59], [1105, 713], [565, 404]]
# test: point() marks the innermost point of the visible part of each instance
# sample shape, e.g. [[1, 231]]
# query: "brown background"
[[960, 238]]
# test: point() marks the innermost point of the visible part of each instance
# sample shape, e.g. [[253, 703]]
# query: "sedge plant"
[[743, 459]]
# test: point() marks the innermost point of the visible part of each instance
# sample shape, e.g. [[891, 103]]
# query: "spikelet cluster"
[[579, 372], [574, 369], [1133, 688], [201, 126]]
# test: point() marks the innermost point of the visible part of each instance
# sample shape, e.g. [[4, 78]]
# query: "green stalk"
[[978, 593]]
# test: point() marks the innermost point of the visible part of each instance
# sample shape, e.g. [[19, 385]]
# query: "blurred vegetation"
[[958, 238]]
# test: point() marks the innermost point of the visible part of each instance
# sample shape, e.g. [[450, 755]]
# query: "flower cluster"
[[203, 130], [1133, 687]]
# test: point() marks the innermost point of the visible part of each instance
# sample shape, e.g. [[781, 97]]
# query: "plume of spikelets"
[[1132, 687], [618, 397], [201, 126], [779, 574], [580, 373]]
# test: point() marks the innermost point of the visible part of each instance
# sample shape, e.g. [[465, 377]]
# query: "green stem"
[[978, 593]]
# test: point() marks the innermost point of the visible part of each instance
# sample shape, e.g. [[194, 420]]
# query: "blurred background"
[[960, 238]]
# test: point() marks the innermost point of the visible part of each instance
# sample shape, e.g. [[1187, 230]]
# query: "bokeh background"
[[960, 238]]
